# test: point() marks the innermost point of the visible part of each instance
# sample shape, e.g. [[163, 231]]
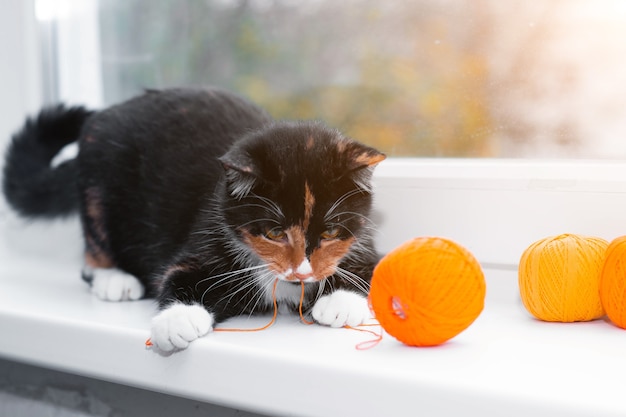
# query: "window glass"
[[443, 78]]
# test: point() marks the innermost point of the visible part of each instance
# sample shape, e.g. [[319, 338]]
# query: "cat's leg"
[[99, 271], [183, 317], [341, 308], [345, 302], [107, 282], [112, 284], [179, 324]]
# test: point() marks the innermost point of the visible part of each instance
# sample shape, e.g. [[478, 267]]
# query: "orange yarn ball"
[[559, 278], [427, 291], [613, 282]]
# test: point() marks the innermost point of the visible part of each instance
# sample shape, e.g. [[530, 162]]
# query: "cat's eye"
[[276, 234], [332, 233]]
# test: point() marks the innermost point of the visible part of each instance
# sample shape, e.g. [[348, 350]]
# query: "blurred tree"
[[410, 77]]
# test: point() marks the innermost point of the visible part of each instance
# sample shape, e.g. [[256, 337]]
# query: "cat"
[[200, 199]]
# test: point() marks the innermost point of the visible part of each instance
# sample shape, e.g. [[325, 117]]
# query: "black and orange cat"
[[200, 199]]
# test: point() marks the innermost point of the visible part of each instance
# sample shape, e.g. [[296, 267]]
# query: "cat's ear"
[[360, 161], [359, 156], [241, 173]]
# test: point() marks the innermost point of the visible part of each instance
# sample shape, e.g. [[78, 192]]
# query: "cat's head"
[[298, 196]]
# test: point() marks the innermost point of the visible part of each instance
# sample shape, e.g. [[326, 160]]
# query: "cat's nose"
[[303, 277], [304, 270]]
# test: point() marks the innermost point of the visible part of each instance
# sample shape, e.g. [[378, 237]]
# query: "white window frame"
[[498, 207], [76, 30], [20, 70]]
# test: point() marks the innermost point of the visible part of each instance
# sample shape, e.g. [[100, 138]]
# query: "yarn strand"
[[302, 319], [368, 344], [361, 346], [257, 329], [268, 325]]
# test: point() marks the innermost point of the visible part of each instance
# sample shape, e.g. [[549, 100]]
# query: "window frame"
[[498, 207]]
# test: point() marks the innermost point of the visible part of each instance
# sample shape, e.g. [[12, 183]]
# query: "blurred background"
[[434, 78]]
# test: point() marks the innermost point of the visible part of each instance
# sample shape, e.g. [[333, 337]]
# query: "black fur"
[[31, 185], [170, 183]]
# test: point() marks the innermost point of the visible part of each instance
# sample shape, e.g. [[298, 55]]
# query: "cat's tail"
[[31, 184]]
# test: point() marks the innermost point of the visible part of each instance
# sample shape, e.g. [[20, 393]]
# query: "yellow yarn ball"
[[559, 278]]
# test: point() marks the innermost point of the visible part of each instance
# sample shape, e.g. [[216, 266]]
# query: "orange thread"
[[427, 291], [258, 328], [272, 321], [559, 278], [361, 346], [302, 319], [368, 344]]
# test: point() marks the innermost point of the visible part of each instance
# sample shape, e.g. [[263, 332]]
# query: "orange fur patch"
[[172, 269], [95, 257], [325, 259], [309, 143], [341, 146], [281, 256], [309, 202], [369, 160], [93, 202]]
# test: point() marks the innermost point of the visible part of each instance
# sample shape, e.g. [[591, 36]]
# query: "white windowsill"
[[506, 363]]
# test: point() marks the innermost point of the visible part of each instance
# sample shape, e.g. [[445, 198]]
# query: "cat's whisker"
[[320, 289], [271, 205], [260, 220], [249, 285], [240, 254], [227, 278], [368, 222], [268, 205], [251, 205], [222, 282], [318, 295], [231, 273], [260, 294], [254, 293], [360, 252], [331, 287], [346, 228], [354, 279], [341, 200]]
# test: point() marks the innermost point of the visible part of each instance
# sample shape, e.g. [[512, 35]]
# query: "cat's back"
[[146, 165], [176, 117], [164, 141]]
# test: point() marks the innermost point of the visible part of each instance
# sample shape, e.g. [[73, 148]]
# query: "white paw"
[[115, 285], [178, 325], [341, 308]]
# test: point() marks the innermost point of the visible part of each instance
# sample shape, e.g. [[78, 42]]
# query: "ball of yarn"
[[559, 278], [613, 282], [427, 291]]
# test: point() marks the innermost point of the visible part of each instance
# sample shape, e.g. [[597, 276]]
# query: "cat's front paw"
[[115, 285], [178, 325], [341, 308]]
